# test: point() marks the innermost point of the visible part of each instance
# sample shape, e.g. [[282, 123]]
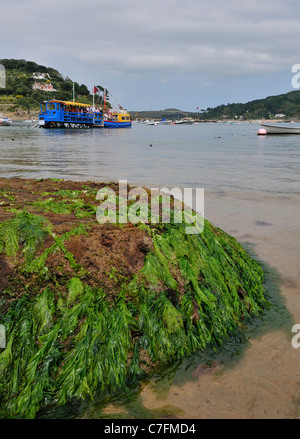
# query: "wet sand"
[[265, 381]]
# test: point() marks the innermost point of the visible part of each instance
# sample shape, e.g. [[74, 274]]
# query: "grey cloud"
[[173, 37]]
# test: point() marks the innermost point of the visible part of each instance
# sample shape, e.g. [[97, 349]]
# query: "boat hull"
[[277, 129], [116, 124], [5, 122]]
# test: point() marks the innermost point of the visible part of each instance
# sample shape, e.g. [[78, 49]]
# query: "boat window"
[[50, 106]]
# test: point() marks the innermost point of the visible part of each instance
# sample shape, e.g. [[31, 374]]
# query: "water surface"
[[210, 155]]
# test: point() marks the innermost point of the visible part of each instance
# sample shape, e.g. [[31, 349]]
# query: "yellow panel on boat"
[[75, 104]]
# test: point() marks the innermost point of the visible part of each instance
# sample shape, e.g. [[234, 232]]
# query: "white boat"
[[4, 121], [186, 120], [30, 121], [278, 129]]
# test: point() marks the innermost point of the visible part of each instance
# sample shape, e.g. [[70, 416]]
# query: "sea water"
[[218, 156], [252, 191]]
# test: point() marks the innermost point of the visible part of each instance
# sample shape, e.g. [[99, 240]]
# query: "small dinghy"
[[277, 129]]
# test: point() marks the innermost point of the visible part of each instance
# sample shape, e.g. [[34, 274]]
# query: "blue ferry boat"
[[64, 114]]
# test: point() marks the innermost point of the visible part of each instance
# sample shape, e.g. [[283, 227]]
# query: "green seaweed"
[[74, 205], [24, 229], [76, 341], [38, 265], [7, 193]]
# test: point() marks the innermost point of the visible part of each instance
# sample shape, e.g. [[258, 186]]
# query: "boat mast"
[[73, 92]]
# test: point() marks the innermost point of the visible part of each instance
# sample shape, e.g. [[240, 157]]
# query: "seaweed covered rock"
[[90, 308]]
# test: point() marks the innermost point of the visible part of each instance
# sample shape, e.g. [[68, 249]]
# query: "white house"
[[38, 75]]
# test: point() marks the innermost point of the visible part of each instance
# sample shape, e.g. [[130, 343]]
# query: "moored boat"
[[65, 114], [278, 129], [117, 119], [185, 120], [30, 121], [4, 121], [153, 122]]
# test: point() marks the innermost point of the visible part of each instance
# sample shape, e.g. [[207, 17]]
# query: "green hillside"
[[287, 104], [267, 108], [21, 76]]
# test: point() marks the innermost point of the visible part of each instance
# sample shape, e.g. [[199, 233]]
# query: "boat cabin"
[[120, 117]]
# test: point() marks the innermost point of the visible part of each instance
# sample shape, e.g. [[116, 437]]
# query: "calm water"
[[252, 190], [214, 156]]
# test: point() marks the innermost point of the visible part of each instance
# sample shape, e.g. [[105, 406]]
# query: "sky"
[[161, 53]]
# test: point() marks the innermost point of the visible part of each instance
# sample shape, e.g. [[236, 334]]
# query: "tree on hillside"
[[83, 90], [26, 103]]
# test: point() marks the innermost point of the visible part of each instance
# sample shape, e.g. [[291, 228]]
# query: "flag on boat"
[[95, 89]]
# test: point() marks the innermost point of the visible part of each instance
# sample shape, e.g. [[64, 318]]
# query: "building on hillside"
[[43, 87], [38, 75]]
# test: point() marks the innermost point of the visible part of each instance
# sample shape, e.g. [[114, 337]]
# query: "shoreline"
[[35, 115]]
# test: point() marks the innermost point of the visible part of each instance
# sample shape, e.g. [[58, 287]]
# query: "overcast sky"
[[160, 53]]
